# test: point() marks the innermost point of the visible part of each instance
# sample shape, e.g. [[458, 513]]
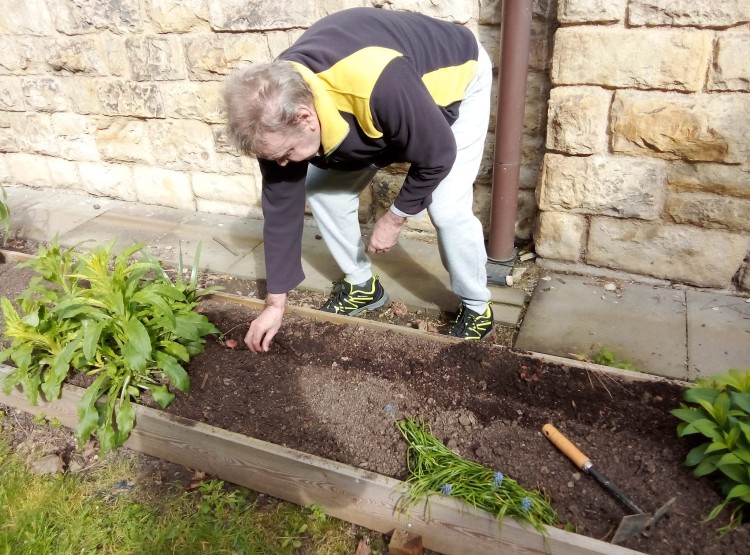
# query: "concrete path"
[[680, 333]]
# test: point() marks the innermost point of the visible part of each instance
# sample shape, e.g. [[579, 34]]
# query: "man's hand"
[[264, 327], [386, 232]]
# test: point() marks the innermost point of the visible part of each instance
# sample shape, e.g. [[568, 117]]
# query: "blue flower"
[[446, 489], [498, 479], [526, 503], [390, 410]]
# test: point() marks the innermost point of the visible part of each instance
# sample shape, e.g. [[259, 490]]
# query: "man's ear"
[[306, 116]]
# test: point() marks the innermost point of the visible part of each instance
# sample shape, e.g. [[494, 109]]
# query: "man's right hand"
[[264, 327]]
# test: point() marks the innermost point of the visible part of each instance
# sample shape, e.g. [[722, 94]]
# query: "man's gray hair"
[[264, 98]]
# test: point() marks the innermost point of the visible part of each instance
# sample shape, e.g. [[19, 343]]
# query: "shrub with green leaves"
[[435, 469], [718, 409], [126, 323]]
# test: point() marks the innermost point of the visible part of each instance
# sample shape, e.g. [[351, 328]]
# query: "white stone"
[[560, 235], [213, 57], [125, 98], [83, 94], [156, 58], [124, 140], [88, 16], [178, 16], [44, 94], [237, 15], [182, 144], [108, 180], [699, 127], [75, 137], [11, 94], [698, 13], [457, 11], [202, 101], [620, 186], [163, 187], [591, 11], [709, 211], [28, 169], [243, 189], [702, 257], [79, 55], [25, 17], [730, 70], [675, 59], [229, 208], [721, 179], [578, 120], [64, 173]]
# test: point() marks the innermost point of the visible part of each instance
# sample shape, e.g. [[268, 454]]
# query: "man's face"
[[296, 145]]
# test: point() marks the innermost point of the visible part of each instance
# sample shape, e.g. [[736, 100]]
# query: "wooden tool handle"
[[565, 445]]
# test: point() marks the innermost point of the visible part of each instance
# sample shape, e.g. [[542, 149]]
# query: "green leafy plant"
[[719, 410], [435, 469], [4, 213], [125, 323], [215, 499], [606, 357]]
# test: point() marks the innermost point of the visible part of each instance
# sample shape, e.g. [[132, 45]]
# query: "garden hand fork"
[[631, 525]]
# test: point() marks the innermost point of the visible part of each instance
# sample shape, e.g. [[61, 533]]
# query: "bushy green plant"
[[4, 213], [719, 410], [125, 323], [435, 469]]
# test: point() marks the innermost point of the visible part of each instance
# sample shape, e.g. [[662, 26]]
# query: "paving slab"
[[718, 333], [574, 315]]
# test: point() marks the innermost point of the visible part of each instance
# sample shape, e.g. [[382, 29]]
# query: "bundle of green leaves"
[[436, 469], [718, 409], [124, 322]]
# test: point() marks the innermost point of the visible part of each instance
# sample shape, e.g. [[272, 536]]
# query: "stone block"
[[229, 208], [108, 180], [526, 214], [709, 211], [63, 173], [721, 179], [89, 16], [163, 187], [182, 144], [673, 59], [44, 94], [178, 16], [693, 13], [124, 140], [699, 127], [11, 95], [730, 70], [619, 186], [456, 11], [591, 11], [560, 235], [212, 57], [237, 15], [702, 257], [29, 170], [74, 137], [745, 278], [33, 132], [17, 55], [25, 18], [126, 98], [156, 58], [491, 11], [244, 189], [540, 48], [77, 55], [202, 101], [578, 118], [83, 94]]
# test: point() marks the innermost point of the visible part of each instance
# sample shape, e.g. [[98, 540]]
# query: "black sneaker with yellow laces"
[[351, 299], [472, 325]]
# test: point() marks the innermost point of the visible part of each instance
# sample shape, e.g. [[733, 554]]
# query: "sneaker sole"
[[377, 305]]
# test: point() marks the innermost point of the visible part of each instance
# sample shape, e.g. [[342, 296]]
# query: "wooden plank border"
[[351, 494]]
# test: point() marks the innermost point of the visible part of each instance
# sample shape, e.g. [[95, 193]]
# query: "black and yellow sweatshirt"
[[387, 86]]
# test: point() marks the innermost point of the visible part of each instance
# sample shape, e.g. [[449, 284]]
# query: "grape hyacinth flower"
[[498, 479], [390, 410], [526, 503], [446, 489]]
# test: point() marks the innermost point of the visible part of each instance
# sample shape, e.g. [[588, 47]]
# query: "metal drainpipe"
[[515, 39]]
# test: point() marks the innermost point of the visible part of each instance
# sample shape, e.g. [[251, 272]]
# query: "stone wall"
[[634, 157], [647, 167]]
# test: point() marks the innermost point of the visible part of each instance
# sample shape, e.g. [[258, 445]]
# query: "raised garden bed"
[[312, 421]]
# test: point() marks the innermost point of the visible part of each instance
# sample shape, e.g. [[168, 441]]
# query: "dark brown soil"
[[330, 390]]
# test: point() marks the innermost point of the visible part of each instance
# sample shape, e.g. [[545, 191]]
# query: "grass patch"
[[104, 511]]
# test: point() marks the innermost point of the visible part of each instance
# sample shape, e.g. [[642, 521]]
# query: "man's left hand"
[[386, 232]]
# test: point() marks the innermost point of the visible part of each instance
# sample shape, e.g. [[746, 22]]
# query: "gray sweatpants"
[[333, 196]]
